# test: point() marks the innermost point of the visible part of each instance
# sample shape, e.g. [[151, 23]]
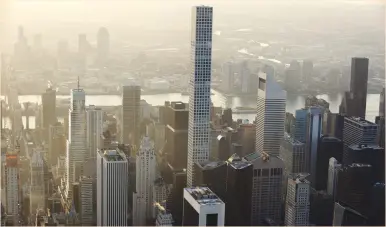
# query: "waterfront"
[[294, 102]]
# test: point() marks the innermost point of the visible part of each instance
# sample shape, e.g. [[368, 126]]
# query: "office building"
[[48, 108], [199, 83], [267, 187], [312, 101], [289, 123], [321, 208], [86, 201], [328, 147], [301, 124], [227, 77], [247, 138], [56, 143], [307, 70], [346, 216], [164, 218], [292, 152], [76, 143], [176, 134], [94, 118], [332, 182], [202, 207], [103, 45], [382, 103], [333, 124], [161, 191], [238, 192], [37, 182], [145, 177], [373, 155], [174, 203], [354, 101], [211, 174], [270, 118], [245, 75], [380, 121], [313, 133], [112, 187], [12, 183], [377, 205], [359, 131], [131, 95], [354, 187], [297, 207]]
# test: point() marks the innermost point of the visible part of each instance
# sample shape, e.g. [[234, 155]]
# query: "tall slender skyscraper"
[[382, 103], [94, 117], [270, 118], [48, 109], [199, 88], [131, 97], [145, 177], [76, 143], [103, 45]]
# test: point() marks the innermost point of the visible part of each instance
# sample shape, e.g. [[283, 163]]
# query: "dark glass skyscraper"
[[380, 121], [359, 131], [49, 108]]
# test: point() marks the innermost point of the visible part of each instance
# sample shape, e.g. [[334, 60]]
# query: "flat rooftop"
[[361, 121], [292, 140], [360, 147], [112, 155], [211, 164], [204, 196]]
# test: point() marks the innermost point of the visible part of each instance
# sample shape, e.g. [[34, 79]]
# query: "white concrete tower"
[[145, 177], [199, 88], [112, 187], [270, 118], [76, 144], [297, 207], [37, 182], [94, 116]]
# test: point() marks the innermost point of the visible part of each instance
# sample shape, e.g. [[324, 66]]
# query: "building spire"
[[78, 82]]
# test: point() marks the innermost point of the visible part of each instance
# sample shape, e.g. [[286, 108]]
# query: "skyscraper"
[[37, 182], [359, 131], [333, 169], [76, 143], [382, 103], [297, 207], [301, 124], [12, 184], [94, 116], [293, 153], [199, 88], [145, 177], [202, 207], [266, 187], [227, 77], [86, 203], [354, 102], [112, 187], [380, 121], [103, 45], [270, 118], [131, 96], [48, 109]]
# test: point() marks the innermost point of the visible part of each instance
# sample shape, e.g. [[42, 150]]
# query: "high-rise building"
[[245, 75], [313, 101], [301, 124], [354, 102], [321, 208], [292, 152], [359, 131], [176, 134], [131, 95], [48, 108], [373, 155], [56, 143], [112, 187], [289, 123], [333, 170], [267, 187], [202, 207], [313, 133], [164, 218], [211, 174], [145, 177], [103, 45], [270, 118], [76, 143], [238, 192], [354, 187], [382, 103], [247, 138], [328, 147], [37, 182], [175, 201], [83, 44], [297, 207], [86, 201], [12, 184], [346, 216], [94, 117], [377, 205], [307, 70], [380, 121], [333, 124], [199, 88], [228, 77]]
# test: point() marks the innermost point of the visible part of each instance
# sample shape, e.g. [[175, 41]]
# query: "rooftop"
[[361, 121], [292, 140], [204, 196], [364, 146], [112, 155], [211, 164]]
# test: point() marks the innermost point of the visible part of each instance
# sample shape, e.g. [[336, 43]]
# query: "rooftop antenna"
[[78, 82]]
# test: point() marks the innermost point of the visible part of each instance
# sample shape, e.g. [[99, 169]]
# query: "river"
[[294, 102]]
